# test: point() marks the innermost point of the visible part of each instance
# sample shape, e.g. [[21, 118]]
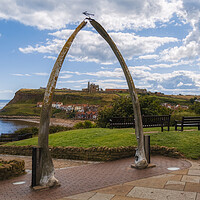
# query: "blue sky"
[[160, 41]]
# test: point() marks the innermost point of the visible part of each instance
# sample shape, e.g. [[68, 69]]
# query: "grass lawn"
[[186, 142], [21, 109]]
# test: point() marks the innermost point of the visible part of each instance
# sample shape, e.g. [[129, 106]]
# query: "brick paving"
[[58, 163], [85, 178]]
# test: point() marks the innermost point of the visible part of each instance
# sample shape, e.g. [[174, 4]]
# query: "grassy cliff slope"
[[25, 100]]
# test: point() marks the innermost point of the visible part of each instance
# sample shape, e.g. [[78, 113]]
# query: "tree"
[[122, 107], [196, 107], [151, 106], [192, 100]]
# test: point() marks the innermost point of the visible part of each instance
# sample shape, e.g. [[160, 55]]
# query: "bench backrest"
[[190, 120], [147, 120], [156, 119]]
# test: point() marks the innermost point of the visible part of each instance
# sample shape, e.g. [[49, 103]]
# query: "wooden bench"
[[187, 121], [148, 121]]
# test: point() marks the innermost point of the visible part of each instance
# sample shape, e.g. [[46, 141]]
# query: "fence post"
[[147, 147], [36, 166]]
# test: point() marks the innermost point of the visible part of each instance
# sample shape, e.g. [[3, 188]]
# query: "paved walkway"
[[178, 185], [114, 180]]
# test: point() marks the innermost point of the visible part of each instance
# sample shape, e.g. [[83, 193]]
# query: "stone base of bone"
[[52, 183], [148, 166]]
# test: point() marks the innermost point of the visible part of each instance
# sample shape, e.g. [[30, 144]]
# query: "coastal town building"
[[57, 105], [175, 107], [39, 104], [82, 111], [86, 115]]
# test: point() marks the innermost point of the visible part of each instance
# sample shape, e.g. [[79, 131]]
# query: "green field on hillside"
[[186, 142], [25, 100], [21, 110]]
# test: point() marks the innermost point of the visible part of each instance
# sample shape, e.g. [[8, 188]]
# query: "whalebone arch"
[[47, 170]]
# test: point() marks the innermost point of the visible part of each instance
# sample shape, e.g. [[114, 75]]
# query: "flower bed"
[[11, 168]]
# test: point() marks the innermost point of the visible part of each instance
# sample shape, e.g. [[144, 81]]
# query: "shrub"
[[178, 116], [35, 130], [79, 125], [85, 124], [195, 107], [55, 129]]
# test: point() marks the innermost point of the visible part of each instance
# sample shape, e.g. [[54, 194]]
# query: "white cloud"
[[65, 76], [6, 91], [112, 80], [41, 74], [180, 84], [140, 67], [189, 51], [111, 85], [190, 47], [90, 47], [6, 94], [164, 65], [181, 81], [117, 16], [84, 81], [113, 14], [53, 46], [49, 57], [107, 63], [117, 73], [146, 57], [21, 74]]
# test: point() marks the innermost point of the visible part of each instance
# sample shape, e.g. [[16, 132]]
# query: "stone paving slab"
[[158, 194], [121, 190], [83, 196], [195, 165], [194, 172], [192, 187], [175, 185], [156, 181], [126, 198], [181, 172], [191, 179], [198, 196], [101, 196]]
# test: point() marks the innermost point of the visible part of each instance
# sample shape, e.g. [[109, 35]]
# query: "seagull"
[[88, 14]]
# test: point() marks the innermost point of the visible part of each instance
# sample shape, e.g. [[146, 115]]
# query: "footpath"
[[178, 185], [171, 179]]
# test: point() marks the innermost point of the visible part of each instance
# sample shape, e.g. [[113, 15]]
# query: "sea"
[[10, 126]]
